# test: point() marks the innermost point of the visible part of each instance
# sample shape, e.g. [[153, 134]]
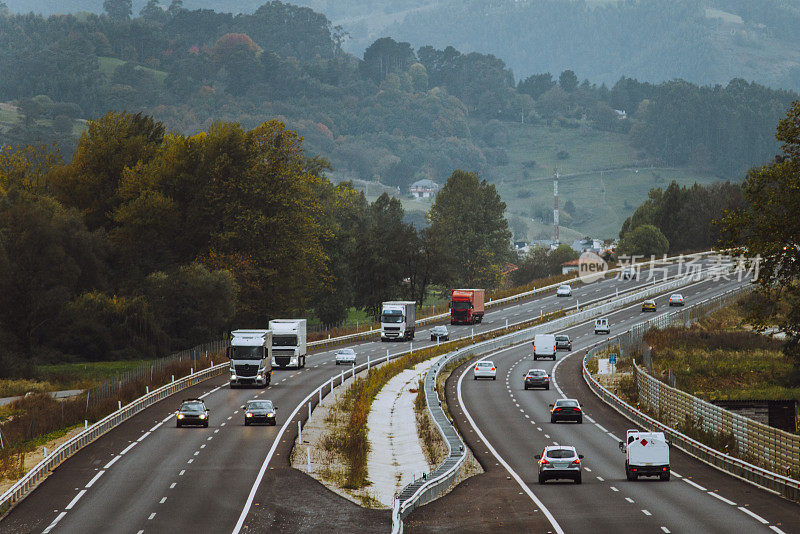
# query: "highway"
[[148, 476], [515, 424]]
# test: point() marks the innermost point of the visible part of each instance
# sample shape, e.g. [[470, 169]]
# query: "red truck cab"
[[466, 306]]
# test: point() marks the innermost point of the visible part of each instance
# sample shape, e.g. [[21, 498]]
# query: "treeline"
[[146, 242], [395, 115], [679, 219]]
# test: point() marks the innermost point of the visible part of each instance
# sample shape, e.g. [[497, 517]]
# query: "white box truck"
[[646, 454], [398, 320], [544, 346], [250, 353], [288, 342]]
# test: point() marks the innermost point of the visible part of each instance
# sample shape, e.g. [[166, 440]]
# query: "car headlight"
[[248, 414], [180, 416], [270, 414], [259, 377], [202, 416]]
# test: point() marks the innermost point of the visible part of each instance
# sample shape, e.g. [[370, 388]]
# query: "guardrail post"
[[45, 452], [308, 458], [309, 410], [320, 396], [411, 350], [506, 324], [119, 404], [147, 389], [85, 424], [173, 378], [299, 432], [577, 305], [367, 362], [387, 355], [472, 335], [191, 371]]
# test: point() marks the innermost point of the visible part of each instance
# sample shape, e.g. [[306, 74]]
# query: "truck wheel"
[[630, 475], [475, 377], [494, 378], [665, 476]]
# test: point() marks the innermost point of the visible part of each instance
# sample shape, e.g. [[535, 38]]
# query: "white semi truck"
[[250, 353], [398, 320], [288, 342]]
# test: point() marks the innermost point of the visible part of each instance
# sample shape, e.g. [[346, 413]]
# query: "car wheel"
[[246, 422], [580, 420], [578, 479], [205, 424], [274, 423], [526, 388], [542, 479], [337, 363], [547, 387], [178, 424], [552, 419]]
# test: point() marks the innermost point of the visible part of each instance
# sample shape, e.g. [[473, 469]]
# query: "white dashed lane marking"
[[75, 500], [754, 515], [94, 479]]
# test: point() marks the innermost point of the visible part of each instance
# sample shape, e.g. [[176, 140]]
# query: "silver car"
[[345, 356], [484, 369], [440, 333], [564, 291], [559, 461]]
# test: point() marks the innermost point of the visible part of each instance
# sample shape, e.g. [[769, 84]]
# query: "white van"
[[601, 326], [646, 454], [544, 346]]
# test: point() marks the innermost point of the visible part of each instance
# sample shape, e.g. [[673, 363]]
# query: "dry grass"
[[16, 387], [433, 444]]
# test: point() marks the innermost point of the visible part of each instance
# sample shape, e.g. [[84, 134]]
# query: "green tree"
[[118, 9], [469, 230], [536, 85], [568, 81], [644, 240], [767, 226]]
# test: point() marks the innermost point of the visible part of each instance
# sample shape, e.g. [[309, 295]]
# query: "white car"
[[346, 356], [564, 291], [676, 300], [601, 326], [484, 369]]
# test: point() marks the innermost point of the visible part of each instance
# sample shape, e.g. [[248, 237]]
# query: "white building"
[[424, 188]]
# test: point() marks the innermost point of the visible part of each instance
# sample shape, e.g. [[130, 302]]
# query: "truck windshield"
[[392, 318], [460, 305], [284, 341], [245, 353]]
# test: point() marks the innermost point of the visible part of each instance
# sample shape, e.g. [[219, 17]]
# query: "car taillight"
[[492, 368], [556, 409], [576, 461], [577, 409], [544, 461], [476, 368]]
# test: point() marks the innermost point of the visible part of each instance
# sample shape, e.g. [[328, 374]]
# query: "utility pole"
[[555, 204]]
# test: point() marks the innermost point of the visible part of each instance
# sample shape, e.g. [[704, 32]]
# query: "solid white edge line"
[[508, 468], [723, 499], [754, 515], [94, 479], [54, 523], [75, 500]]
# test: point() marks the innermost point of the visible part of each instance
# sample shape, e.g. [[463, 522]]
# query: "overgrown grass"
[[433, 444], [718, 358], [82, 375], [15, 387]]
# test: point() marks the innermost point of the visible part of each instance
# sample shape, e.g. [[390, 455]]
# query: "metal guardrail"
[[503, 301], [424, 490], [27, 483], [783, 485]]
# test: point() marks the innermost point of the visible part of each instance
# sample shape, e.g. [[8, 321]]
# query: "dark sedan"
[[259, 411], [537, 378], [192, 412], [566, 410]]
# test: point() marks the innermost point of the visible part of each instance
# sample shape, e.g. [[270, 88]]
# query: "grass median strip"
[[346, 435]]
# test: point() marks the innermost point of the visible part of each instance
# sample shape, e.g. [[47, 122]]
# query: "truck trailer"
[[250, 353], [466, 306], [398, 320], [646, 454], [288, 342]]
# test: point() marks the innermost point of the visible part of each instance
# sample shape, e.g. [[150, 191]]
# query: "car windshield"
[[560, 453], [537, 372], [601, 321], [562, 338], [392, 317], [567, 403], [284, 341], [245, 353], [439, 329], [460, 305], [192, 407], [345, 352], [259, 405], [677, 297], [564, 288], [485, 364]]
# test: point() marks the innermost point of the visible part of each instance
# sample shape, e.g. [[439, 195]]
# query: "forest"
[[394, 115]]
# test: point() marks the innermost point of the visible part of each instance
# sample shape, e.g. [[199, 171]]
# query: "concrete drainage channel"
[[436, 483]]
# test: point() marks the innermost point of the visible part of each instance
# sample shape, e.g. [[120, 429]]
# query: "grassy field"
[[84, 374], [602, 198], [109, 64], [719, 358]]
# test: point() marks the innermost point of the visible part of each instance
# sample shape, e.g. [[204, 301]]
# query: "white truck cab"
[[288, 342], [398, 320], [646, 454], [250, 353]]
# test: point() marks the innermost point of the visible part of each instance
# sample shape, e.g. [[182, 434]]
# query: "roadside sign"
[[612, 359]]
